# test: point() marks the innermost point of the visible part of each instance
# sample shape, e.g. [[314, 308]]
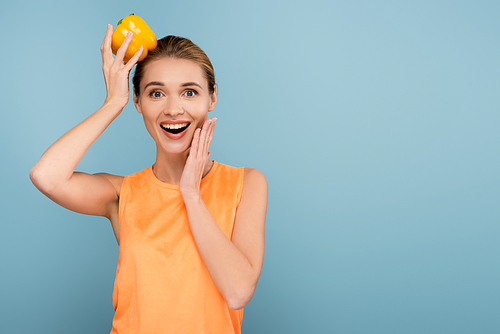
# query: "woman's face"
[[174, 100]]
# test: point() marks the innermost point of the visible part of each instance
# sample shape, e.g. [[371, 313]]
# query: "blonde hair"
[[176, 47]]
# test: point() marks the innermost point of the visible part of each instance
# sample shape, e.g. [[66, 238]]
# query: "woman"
[[190, 230]]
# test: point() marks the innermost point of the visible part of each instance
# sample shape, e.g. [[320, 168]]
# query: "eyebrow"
[[191, 84], [153, 83], [157, 83]]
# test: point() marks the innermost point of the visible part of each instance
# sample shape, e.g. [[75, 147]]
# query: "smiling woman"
[[190, 230], [176, 93]]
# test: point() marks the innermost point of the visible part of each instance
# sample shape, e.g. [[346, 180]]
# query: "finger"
[[195, 143], [106, 45], [106, 42], [211, 134], [208, 134], [134, 59], [120, 54], [202, 151], [205, 136]]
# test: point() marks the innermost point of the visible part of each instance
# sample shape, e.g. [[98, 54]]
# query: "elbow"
[[35, 176], [241, 298], [40, 180]]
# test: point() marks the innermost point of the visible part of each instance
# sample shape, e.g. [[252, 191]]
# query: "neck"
[[168, 168]]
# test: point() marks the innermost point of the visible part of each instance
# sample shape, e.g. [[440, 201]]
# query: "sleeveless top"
[[162, 285]]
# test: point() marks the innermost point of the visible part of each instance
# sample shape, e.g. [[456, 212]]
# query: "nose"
[[173, 107]]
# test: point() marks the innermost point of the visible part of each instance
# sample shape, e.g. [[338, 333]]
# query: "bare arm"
[[54, 173], [234, 265]]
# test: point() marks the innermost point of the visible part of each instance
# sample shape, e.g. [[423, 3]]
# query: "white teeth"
[[174, 126]]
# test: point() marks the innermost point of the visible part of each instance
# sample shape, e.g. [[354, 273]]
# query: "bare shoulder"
[[115, 180], [254, 178], [254, 188], [254, 194]]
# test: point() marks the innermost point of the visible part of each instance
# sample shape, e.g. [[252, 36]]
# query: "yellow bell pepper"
[[143, 35]]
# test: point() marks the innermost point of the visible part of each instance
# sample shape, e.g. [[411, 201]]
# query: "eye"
[[156, 94], [190, 93]]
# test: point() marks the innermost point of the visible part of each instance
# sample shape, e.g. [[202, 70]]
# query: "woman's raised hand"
[[197, 159], [116, 73]]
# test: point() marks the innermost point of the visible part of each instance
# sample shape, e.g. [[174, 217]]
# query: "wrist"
[[191, 195], [115, 104]]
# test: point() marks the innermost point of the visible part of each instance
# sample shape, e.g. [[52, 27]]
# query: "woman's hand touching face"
[[197, 159], [116, 73]]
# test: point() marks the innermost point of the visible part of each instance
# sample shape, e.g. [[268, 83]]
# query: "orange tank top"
[[162, 284]]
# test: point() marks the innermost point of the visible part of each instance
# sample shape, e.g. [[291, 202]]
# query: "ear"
[[213, 99], [137, 104]]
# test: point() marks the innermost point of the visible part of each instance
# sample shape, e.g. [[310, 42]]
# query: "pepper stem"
[[120, 22]]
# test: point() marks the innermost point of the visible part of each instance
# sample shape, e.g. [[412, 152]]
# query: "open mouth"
[[175, 128]]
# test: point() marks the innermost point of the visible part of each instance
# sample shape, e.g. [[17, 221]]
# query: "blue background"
[[375, 122]]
